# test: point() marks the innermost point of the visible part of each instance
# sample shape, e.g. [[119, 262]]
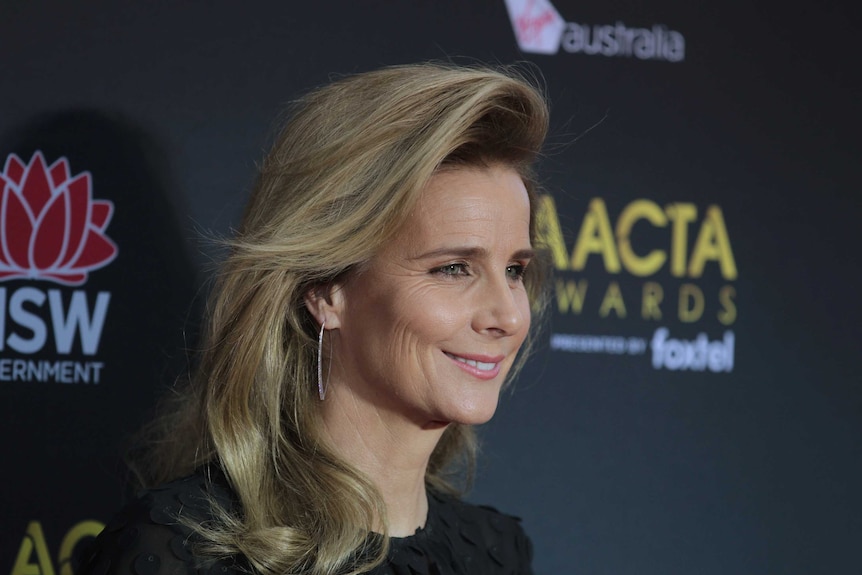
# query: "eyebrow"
[[472, 253]]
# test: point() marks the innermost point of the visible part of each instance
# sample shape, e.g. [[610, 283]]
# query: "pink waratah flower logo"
[[51, 228]]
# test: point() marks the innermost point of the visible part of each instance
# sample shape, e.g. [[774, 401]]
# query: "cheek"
[[526, 313], [397, 328], [438, 315], [427, 315]]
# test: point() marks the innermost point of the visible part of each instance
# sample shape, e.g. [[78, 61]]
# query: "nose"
[[501, 308]]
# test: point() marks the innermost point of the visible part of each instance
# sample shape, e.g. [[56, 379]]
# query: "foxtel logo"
[[699, 354], [539, 29]]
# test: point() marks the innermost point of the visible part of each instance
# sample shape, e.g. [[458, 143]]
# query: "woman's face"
[[430, 328]]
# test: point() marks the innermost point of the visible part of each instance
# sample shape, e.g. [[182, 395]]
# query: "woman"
[[374, 302]]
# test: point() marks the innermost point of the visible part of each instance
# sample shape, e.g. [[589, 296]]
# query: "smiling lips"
[[482, 367]]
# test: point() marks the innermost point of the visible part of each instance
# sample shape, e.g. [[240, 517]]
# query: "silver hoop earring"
[[321, 390]]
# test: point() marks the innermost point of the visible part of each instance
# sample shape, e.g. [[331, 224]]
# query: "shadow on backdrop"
[[81, 365]]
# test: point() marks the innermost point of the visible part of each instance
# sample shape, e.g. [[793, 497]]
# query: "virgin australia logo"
[[51, 228], [539, 29]]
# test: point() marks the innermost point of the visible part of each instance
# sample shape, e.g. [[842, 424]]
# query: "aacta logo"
[[34, 558], [539, 29], [52, 230]]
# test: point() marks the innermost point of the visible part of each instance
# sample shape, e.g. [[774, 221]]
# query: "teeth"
[[477, 364]]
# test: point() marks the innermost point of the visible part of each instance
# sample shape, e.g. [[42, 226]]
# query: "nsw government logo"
[[51, 231], [539, 29]]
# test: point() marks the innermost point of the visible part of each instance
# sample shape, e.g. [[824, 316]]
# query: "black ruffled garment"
[[145, 538]]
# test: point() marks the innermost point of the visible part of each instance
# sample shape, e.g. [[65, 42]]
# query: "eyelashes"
[[452, 270], [515, 272]]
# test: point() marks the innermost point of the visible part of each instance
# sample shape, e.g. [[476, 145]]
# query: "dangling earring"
[[321, 390]]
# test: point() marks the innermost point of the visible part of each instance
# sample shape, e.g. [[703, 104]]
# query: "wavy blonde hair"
[[342, 175]]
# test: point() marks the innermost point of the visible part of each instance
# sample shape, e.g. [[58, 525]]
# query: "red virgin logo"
[[51, 228], [537, 24]]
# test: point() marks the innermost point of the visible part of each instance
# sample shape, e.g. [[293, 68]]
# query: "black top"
[[146, 539]]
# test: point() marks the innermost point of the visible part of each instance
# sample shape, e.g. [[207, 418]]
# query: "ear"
[[326, 304]]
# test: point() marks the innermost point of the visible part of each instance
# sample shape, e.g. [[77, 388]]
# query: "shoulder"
[[480, 527], [151, 535]]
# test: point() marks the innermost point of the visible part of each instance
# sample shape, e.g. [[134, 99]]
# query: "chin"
[[475, 414]]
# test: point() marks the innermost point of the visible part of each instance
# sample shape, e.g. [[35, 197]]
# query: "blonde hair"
[[342, 175]]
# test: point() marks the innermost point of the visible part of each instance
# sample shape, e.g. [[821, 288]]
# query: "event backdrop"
[[695, 405]]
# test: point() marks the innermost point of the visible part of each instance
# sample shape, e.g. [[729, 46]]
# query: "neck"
[[390, 450]]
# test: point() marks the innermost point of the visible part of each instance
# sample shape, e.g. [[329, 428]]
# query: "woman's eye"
[[516, 271], [452, 270]]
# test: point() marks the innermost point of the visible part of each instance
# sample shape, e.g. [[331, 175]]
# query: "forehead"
[[472, 201]]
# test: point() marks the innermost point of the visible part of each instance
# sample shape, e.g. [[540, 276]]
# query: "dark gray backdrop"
[[615, 467]]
